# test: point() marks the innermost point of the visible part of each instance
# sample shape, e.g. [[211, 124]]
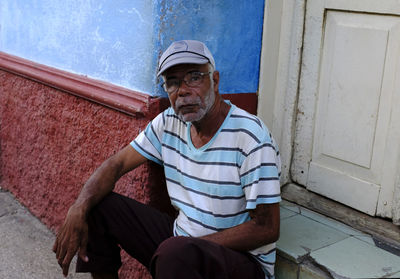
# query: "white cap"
[[185, 52]]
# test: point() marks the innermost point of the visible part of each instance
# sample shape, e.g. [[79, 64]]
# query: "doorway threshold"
[[312, 245]]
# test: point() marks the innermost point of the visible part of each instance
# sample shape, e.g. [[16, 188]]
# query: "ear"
[[216, 81]]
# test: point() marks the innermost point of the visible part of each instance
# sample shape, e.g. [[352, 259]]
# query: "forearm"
[[100, 183], [244, 237], [103, 180], [73, 234], [262, 229]]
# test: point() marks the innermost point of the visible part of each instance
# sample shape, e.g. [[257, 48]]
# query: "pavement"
[[25, 245]]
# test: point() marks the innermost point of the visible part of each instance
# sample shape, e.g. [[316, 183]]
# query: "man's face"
[[191, 103]]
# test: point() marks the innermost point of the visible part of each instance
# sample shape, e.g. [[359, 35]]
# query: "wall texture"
[[231, 29], [106, 40], [120, 41], [52, 141]]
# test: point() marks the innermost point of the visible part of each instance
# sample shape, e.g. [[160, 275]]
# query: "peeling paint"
[[120, 42], [105, 40]]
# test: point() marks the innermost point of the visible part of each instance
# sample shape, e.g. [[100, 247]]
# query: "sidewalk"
[[25, 245]]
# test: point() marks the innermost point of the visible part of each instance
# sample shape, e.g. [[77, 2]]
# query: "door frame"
[[280, 73]]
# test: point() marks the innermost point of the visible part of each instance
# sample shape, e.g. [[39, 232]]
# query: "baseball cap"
[[185, 52]]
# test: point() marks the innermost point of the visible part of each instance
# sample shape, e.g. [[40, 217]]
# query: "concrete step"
[[315, 246]]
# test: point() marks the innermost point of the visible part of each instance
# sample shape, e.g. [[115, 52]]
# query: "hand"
[[71, 238]]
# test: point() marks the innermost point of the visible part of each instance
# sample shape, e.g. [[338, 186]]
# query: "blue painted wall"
[[232, 30], [106, 40], [120, 41]]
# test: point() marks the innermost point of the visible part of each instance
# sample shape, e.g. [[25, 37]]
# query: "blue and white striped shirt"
[[214, 186]]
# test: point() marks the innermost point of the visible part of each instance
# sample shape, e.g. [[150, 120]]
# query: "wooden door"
[[348, 120]]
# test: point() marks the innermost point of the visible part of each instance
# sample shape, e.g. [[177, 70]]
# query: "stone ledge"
[[112, 96], [377, 227], [315, 246]]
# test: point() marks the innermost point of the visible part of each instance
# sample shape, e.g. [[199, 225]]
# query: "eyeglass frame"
[[202, 74]]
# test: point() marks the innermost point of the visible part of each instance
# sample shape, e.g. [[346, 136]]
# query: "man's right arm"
[[72, 236]]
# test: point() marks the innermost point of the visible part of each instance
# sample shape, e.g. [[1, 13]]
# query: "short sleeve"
[[148, 142], [259, 175]]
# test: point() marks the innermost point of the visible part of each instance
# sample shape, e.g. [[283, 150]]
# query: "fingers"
[[66, 262], [56, 243], [65, 248], [62, 255], [65, 256], [72, 237], [59, 250]]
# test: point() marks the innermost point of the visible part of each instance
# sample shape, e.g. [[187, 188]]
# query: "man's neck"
[[202, 131]]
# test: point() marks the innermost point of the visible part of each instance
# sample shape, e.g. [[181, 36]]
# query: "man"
[[222, 170]]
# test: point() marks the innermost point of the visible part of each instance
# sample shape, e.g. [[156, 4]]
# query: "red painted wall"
[[51, 141]]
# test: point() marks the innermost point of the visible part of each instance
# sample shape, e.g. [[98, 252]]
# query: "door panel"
[[345, 111]]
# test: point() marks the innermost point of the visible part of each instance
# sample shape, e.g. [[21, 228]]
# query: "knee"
[[177, 251], [106, 205], [109, 200], [103, 209], [176, 247]]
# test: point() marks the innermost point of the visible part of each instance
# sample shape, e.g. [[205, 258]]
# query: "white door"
[[348, 120]]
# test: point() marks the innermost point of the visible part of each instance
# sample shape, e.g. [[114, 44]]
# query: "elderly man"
[[222, 170]]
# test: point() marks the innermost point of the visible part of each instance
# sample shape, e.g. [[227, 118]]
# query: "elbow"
[[113, 167], [269, 233], [267, 221], [264, 235], [275, 234], [113, 162]]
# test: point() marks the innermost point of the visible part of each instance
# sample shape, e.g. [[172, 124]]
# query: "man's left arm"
[[262, 229]]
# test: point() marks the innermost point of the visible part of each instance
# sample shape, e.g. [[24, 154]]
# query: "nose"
[[183, 89]]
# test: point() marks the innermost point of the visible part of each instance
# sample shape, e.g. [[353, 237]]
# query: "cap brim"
[[172, 61]]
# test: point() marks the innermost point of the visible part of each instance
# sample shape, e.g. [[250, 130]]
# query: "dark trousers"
[[146, 234]]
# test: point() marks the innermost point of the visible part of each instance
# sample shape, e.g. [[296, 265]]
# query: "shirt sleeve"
[[148, 142], [260, 174]]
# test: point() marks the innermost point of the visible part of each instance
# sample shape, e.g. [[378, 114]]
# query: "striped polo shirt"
[[214, 186]]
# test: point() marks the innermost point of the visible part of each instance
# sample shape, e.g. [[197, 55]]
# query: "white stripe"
[[221, 206], [213, 172], [234, 172]]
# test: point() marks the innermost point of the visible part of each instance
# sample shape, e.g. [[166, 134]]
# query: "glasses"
[[191, 79]]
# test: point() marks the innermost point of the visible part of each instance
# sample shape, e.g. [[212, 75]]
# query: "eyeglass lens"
[[192, 79]]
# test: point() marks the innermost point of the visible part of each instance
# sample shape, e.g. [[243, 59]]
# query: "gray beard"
[[208, 102]]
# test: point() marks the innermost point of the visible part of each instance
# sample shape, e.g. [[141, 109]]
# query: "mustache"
[[184, 102]]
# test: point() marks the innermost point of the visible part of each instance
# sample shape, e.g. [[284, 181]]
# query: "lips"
[[187, 108]]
